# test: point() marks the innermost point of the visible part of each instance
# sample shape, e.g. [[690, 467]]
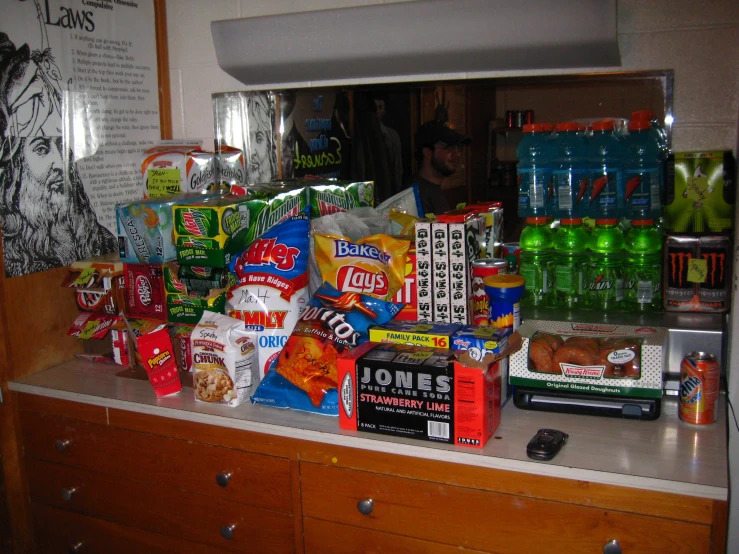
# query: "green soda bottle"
[[643, 270], [537, 259], [570, 258], [604, 272]]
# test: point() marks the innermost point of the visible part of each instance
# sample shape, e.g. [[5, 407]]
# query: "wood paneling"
[[64, 408], [466, 517]]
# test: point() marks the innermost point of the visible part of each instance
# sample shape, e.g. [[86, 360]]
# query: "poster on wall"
[[78, 105], [316, 133]]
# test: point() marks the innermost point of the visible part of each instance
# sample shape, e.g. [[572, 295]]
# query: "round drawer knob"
[[68, 493], [227, 531], [62, 445], [365, 506], [223, 478], [74, 548], [612, 547]]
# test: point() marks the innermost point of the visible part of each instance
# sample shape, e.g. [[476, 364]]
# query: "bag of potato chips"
[[304, 376]]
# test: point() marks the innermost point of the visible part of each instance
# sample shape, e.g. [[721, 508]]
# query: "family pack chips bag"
[[304, 375], [272, 287], [374, 266]]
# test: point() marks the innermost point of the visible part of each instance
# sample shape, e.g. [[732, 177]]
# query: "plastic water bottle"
[[605, 158], [534, 170], [604, 273], [643, 270], [570, 259], [642, 188], [570, 171], [537, 258], [660, 136]]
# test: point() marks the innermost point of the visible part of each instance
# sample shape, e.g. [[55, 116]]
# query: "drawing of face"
[[43, 191], [259, 166]]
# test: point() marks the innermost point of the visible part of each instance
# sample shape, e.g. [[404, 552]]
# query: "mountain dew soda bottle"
[[604, 274], [570, 258], [537, 262], [643, 268]]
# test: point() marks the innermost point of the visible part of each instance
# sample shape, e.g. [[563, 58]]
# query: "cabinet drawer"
[[160, 509], [61, 532], [254, 479], [323, 537], [483, 520]]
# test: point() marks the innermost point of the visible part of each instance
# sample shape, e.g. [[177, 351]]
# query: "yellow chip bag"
[[374, 265]]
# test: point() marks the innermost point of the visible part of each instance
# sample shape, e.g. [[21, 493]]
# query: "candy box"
[[98, 284], [210, 232], [620, 360], [414, 392]]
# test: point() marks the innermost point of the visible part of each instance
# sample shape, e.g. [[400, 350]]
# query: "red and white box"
[[145, 291]]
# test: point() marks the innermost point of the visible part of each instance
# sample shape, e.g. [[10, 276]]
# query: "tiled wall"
[[698, 39]]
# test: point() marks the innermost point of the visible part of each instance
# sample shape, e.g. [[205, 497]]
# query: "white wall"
[[698, 39]]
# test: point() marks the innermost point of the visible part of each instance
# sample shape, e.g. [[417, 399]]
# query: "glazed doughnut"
[[540, 357], [588, 344], [628, 370], [570, 354], [554, 341], [619, 343]]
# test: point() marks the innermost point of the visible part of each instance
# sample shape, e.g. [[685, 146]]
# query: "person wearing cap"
[[438, 150]]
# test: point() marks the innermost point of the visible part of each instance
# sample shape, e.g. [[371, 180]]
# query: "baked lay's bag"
[[373, 266], [272, 285], [304, 376]]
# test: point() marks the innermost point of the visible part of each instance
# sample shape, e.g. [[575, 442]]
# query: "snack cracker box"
[[700, 192], [174, 167], [412, 392], [590, 358], [210, 232], [434, 335]]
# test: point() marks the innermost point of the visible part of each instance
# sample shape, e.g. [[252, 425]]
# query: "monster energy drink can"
[[714, 286]]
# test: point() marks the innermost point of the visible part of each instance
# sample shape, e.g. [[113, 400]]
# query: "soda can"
[[480, 269], [201, 278], [714, 292], [699, 385], [679, 292], [511, 253]]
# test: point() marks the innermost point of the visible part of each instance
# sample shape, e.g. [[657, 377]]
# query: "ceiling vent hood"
[[418, 38]]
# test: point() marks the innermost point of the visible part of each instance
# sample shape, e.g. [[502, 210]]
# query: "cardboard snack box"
[[620, 360]]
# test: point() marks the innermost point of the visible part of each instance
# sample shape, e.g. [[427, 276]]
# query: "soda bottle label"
[[568, 279], [642, 192], [644, 292], [605, 287], [643, 285], [605, 189], [533, 188], [571, 186]]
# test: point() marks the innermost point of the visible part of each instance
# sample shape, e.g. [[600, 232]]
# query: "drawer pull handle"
[[612, 547], [223, 478], [62, 445], [227, 531], [68, 493], [365, 506], [74, 548]]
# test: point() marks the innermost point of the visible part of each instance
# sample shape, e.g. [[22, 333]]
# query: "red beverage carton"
[[145, 291]]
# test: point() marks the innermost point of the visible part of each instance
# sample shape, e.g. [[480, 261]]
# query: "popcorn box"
[[590, 358], [412, 392]]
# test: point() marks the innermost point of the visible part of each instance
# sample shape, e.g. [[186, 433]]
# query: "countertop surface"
[[666, 455]]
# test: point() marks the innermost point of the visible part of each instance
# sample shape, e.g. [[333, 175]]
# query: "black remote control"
[[545, 444]]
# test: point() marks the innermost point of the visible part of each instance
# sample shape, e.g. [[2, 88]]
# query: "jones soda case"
[[417, 392]]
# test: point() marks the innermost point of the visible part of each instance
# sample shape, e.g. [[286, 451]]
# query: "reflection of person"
[[438, 150], [261, 162], [391, 141], [341, 132], [47, 219]]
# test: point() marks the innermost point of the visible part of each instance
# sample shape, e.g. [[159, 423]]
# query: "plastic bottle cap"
[[642, 222], [643, 114], [609, 221], [537, 127], [504, 281], [572, 221], [537, 220], [605, 125], [567, 126], [639, 125]]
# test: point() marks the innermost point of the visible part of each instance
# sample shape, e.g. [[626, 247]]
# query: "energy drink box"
[[697, 273], [418, 392], [700, 192], [434, 335], [145, 228], [210, 232]]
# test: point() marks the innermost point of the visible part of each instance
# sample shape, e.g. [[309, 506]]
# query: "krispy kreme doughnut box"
[[566, 356]]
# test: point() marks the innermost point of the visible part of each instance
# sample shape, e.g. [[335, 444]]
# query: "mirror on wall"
[[366, 132]]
